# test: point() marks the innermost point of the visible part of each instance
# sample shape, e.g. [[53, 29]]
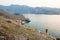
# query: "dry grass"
[[11, 27]]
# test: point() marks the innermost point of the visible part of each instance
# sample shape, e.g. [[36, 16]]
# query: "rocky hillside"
[[14, 30], [11, 16]]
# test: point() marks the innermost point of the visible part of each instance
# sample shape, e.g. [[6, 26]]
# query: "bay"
[[43, 22]]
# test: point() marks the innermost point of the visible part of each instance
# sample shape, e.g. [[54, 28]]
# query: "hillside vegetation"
[[12, 30]]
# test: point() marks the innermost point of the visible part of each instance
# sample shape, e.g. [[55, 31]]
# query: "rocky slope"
[[14, 30], [8, 15]]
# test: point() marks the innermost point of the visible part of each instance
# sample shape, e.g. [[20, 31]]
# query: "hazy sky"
[[33, 3]]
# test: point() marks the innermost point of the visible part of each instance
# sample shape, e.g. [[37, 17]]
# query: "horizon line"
[[28, 6]]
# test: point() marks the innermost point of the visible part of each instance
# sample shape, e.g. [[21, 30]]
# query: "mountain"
[[23, 9], [17, 8]]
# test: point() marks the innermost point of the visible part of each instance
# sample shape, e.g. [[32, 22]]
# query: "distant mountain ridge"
[[23, 9]]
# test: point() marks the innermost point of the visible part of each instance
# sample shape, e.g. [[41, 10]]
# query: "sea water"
[[43, 22]]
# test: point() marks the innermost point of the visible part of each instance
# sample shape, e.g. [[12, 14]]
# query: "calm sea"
[[43, 22]]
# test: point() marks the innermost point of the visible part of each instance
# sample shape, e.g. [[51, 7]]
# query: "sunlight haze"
[[33, 3]]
